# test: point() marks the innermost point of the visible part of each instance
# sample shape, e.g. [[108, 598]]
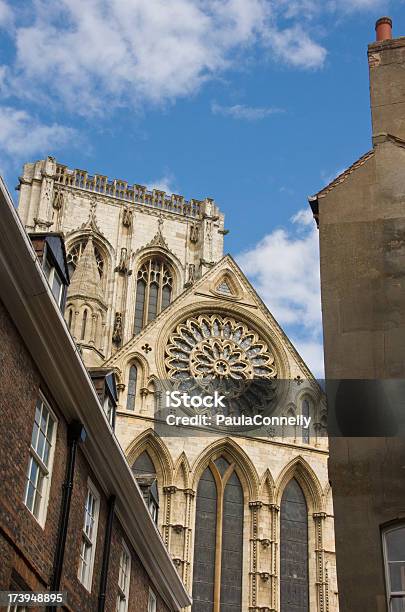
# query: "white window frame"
[[123, 588], [50, 274], [89, 541], [109, 409], [152, 601], [45, 470], [391, 595]]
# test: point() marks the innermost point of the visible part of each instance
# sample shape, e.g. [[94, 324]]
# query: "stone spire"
[[86, 280]]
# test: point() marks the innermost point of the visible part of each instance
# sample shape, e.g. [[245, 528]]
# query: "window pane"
[[34, 437], [166, 296], [41, 444], [133, 375], [57, 286], [29, 496], [395, 540], [305, 413], [153, 299], [397, 576], [232, 546], [205, 541], [139, 305], [397, 604], [47, 268], [294, 590]]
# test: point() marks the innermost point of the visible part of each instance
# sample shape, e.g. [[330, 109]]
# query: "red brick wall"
[[24, 545], [19, 390]]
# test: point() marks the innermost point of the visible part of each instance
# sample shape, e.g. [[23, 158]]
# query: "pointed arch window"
[[218, 548], [70, 318], [132, 380], [154, 286], [305, 413], [76, 252], [84, 325], [145, 474], [294, 585]]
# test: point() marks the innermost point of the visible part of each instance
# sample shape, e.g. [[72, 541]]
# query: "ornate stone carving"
[[159, 239], [194, 233], [117, 333], [58, 199], [127, 217], [123, 265], [91, 223], [191, 275], [213, 352], [217, 346]]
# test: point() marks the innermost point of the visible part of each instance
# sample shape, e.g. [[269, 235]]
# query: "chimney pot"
[[383, 29]]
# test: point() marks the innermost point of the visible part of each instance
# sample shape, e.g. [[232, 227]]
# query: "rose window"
[[212, 351]]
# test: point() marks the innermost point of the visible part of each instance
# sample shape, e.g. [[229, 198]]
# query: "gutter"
[[25, 293], [106, 555]]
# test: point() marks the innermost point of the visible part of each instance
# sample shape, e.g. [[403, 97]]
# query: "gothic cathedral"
[[248, 520]]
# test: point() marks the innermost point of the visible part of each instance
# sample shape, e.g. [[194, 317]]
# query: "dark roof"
[[343, 176]]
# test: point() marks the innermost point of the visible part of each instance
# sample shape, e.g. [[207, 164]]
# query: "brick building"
[[72, 517]]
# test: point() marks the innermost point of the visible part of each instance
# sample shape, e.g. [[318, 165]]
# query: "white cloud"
[[295, 47], [94, 55], [110, 53], [356, 5], [164, 183], [312, 354], [6, 14], [284, 268], [22, 135], [240, 111]]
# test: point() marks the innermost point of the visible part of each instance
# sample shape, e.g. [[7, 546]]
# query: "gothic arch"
[[266, 489], [140, 361], [327, 498], [313, 393], [244, 467], [153, 444], [99, 240], [149, 252], [102, 244], [182, 472], [299, 469]]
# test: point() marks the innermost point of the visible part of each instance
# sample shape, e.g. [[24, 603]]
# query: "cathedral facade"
[[248, 520]]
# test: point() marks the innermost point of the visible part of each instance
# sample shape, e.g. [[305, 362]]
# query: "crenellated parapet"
[[137, 194]]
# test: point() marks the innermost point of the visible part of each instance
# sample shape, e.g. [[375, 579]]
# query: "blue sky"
[[256, 103]]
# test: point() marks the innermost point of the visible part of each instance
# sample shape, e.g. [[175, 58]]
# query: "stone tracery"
[[214, 351]]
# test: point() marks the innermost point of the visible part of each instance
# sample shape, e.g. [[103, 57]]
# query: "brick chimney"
[[383, 29], [386, 59]]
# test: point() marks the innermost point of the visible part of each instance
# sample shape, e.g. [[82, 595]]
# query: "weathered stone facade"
[[167, 255]]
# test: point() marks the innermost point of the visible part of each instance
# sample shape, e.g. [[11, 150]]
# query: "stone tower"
[[247, 519]]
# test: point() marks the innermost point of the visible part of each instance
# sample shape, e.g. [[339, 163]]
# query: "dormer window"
[[145, 474], [50, 249], [105, 386], [54, 280]]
